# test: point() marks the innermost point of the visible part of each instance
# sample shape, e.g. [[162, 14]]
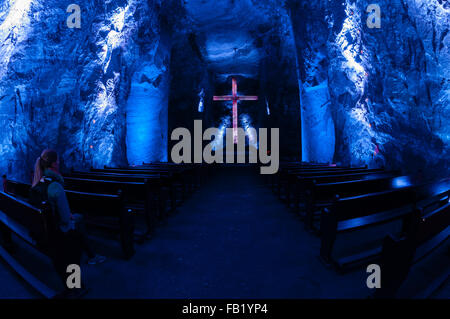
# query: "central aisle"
[[231, 239]]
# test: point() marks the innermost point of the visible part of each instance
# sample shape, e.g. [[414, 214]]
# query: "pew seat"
[[426, 232], [94, 206], [358, 212], [31, 224]]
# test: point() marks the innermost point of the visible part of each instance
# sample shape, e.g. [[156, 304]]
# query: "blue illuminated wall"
[[388, 87], [147, 115], [318, 139], [99, 94], [70, 89]]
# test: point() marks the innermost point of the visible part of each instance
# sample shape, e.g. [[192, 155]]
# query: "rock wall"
[[191, 86], [147, 104], [318, 132], [68, 89], [99, 94], [388, 86], [279, 84]]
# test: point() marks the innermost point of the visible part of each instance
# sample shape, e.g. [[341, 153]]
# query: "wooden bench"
[[137, 195], [285, 170], [358, 212], [271, 179], [286, 181], [321, 195], [173, 178], [196, 171], [425, 233], [293, 185], [303, 184], [95, 206], [30, 224], [155, 181], [190, 174], [284, 166]]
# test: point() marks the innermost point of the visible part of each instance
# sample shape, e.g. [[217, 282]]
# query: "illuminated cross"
[[235, 98]]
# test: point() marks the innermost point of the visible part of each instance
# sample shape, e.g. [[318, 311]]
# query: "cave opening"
[[257, 49]]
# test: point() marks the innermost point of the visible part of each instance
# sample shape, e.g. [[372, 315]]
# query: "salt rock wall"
[[147, 104], [68, 89], [317, 122], [318, 137], [191, 89], [389, 86]]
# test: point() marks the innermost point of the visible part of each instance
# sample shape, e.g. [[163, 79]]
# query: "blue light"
[[14, 28], [218, 142], [147, 118], [318, 131], [400, 182], [200, 106], [201, 103], [250, 131]]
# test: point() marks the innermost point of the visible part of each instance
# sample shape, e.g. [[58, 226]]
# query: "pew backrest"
[[322, 179], [80, 201], [113, 176], [95, 204], [306, 173], [131, 190], [373, 203], [130, 171], [328, 191], [426, 232], [30, 223], [17, 188], [429, 225]]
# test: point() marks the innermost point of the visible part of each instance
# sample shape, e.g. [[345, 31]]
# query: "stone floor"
[[231, 239]]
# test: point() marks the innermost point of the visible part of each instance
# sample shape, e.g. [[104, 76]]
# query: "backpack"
[[64, 249], [38, 195], [39, 192]]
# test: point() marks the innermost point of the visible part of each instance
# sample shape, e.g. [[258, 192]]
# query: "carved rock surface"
[[389, 86], [68, 89], [103, 94]]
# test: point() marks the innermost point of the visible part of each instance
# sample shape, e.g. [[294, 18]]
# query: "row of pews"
[[127, 202], [400, 219]]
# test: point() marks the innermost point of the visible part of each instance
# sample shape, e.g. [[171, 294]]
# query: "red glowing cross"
[[235, 98]]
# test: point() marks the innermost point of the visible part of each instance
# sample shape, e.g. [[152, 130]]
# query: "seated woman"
[[70, 225]]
